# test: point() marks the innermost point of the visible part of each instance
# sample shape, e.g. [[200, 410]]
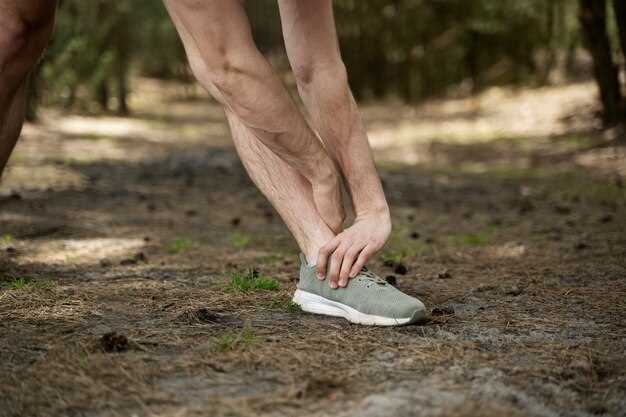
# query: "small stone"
[[581, 246], [391, 279], [444, 275], [140, 257], [513, 290], [525, 206], [562, 209], [607, 218], [114, 342], [442, 311], [485, 288], [105, 263], [400, 269]]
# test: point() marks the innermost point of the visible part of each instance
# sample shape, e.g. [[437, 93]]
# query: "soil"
[[119, 238]]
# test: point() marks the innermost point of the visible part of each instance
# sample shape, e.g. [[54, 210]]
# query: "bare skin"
[[222, 55], [280, 151], [26, 29], [313, 51]]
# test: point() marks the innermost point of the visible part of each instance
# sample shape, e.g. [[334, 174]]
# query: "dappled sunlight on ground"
[[120, 238], [80, 251]]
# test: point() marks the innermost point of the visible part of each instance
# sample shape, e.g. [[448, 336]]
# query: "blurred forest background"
[[406, 49]]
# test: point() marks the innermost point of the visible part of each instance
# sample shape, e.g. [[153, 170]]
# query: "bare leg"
[[313, 50], [284, 187], [223, 57], [25, 27]]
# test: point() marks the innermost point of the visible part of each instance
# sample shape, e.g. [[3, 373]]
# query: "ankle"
[[313, 244]]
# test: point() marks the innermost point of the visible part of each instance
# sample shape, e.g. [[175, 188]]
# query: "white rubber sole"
[[316, 304]]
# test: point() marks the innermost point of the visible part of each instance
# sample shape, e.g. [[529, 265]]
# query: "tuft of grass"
[[20, 283], [285, 304], [251, 280], [179, 245], [232, 341], [392, 256], [240, 239], [7, 239]]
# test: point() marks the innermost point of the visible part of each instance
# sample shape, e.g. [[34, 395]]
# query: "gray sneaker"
[[366, 299]]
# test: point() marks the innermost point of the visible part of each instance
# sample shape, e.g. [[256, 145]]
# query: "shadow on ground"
[[116, 295]]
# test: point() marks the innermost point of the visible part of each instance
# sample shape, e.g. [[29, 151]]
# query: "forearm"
[[335, 116]]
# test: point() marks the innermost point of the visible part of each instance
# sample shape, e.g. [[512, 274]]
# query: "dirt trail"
[[120, 238]]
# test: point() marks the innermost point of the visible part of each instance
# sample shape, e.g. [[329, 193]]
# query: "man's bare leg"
[[313, 51], [223, 57], [25, 28], [287, 190]]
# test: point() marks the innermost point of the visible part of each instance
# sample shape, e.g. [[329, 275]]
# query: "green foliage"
[[20, 283], [240, 239], [235, 340], [251, 280], [285, 304], [179, 245], [7, 239], [410, 48]]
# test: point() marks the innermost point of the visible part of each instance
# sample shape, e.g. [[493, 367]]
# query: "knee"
[[309, 72], [22, 42], [227, 70]]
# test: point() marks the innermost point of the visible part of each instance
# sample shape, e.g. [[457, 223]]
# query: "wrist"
[[379, 210]]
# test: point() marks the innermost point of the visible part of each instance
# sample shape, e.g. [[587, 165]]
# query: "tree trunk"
[[619, 6], [592, 17]]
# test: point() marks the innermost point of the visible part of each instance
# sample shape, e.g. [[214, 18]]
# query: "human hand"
[[350, 250]]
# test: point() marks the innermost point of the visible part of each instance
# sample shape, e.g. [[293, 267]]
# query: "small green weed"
[[392, 256], [24, 282], [240, 240], [7, 239], [252, 280], [286, 305], [179, 245], [236, 340], [18, 283]]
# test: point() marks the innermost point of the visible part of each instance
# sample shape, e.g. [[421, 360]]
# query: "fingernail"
[[320, 276]]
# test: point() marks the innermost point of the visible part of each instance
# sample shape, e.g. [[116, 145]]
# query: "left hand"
[[350, 250]]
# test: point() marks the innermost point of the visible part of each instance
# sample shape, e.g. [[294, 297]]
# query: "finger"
[[322, 257], [364, 256], [346, 265], [335, 265]]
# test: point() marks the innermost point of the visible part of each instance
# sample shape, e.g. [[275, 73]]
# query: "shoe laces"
[[371, 277]]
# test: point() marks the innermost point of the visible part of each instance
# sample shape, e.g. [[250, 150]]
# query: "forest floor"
[[120, 238]]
